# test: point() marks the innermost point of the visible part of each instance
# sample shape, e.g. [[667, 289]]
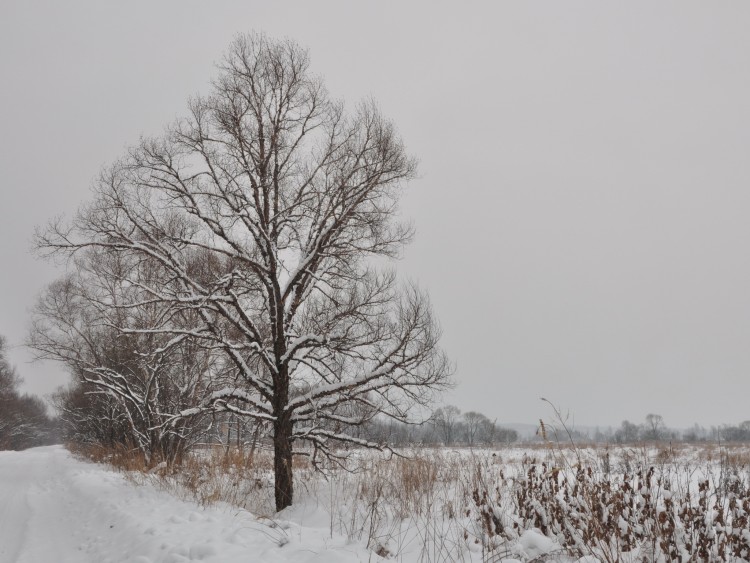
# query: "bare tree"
[[740, 433], [474, 423], [654, 427], [9, 382], [23, 418], [501, 435], [445, 420], [9, 379], [489, 431], [271, 180], [98, 321], [628, 432]]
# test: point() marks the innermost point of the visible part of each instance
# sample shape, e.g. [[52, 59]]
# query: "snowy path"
[[56, 509]]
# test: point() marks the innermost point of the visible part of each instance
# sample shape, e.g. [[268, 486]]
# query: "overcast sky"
[[583, 206]]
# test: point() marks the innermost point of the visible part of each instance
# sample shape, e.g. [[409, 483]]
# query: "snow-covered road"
[[57, 509]]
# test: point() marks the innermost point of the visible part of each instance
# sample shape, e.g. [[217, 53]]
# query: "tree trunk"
[[256, 434], [239, 436], [229, 440], [282, 462]]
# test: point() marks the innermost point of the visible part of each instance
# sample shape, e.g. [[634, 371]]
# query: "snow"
[[57, 508], [533, 544], [54, 507]]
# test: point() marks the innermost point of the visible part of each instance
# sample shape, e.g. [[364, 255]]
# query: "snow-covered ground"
[[57, 509], [513, 504]]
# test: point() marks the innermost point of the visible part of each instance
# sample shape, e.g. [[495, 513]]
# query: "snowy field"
[[57, 509], [439, 505]]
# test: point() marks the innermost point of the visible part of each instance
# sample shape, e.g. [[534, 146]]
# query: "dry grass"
[[120, 457]]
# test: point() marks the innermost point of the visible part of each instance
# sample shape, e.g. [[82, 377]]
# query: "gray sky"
[[584, 201]]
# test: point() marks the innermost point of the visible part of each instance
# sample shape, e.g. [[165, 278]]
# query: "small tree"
[[445, 420], [489, 431], [474, 423], [505, 435], [287, 197], [654, 427], [628, 432]]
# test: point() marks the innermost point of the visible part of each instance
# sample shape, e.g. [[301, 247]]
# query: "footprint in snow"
[[177, 520], [202, 551]]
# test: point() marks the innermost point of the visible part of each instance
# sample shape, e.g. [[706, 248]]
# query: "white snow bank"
[[56, 508]]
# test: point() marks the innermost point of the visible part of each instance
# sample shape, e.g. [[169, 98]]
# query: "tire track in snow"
[[14, 510], [50, 512]]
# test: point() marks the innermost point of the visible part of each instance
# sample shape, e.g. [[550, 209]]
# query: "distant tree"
[[628, 432], [474, 423], [654, 427], [603, 435], [23, 418], [740, 433], [505, 435], [9, 380], [445, 420], [745, 430], [695, 434], [488, 431]]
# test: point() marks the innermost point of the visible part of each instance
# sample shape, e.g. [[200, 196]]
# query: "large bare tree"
[[288, 199]]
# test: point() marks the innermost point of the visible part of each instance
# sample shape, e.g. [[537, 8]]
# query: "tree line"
[[654, 429], [446, 426], [24, 422]]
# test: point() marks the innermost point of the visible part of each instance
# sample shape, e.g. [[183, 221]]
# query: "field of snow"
[[57, 509], [441, 505]]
